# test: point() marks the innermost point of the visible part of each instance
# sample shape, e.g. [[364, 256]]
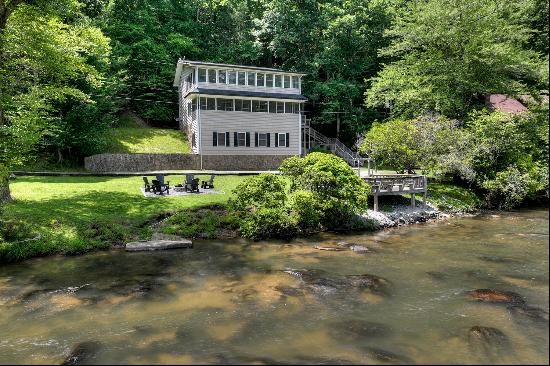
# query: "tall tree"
[[449, 53], [47, 65]]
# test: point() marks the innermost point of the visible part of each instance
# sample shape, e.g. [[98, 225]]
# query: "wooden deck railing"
[[385, 185]]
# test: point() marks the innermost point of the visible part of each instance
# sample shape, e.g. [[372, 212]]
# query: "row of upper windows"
[[247, 105], [246, 78]]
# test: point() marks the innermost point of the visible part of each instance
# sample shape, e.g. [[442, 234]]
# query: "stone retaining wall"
[[103, 163]]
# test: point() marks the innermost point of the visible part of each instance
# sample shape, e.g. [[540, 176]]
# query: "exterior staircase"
[[312, 138]]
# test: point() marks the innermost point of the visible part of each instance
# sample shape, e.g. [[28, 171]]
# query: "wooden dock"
[[398, 184]]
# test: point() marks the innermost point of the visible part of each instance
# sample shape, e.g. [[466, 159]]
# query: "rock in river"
[[320, 282], [529, 313], [82, 353], [497, 297], [487, 341], [387, 356], [356, 330]]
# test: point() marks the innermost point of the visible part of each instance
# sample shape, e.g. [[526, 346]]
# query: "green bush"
[[263, 190], [338, 191], [324, 192], [268, 222], [305, 210]]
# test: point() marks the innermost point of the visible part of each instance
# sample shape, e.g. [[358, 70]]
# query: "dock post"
[[375, 202], [413, 200], [425, 195]]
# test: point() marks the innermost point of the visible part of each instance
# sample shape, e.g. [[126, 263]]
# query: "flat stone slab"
[[137, 246]]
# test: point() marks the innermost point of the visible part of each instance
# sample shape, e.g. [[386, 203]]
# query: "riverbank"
[[75, 215]]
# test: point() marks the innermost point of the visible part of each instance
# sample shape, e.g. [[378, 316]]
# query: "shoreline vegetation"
[[76, 215]]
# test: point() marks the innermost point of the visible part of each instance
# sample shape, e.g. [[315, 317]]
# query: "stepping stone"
[[137, 246]]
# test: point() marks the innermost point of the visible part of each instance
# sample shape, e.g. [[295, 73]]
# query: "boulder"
[[487, 342], [387, 356], [158, 245], [496, 297], [82, 353], [357, 330], [529, 313]]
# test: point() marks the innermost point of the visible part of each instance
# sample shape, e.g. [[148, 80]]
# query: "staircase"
[[312, 138]]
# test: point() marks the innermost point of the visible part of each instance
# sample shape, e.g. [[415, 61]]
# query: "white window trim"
[[238, 139], [218, 139], [259, 139], [279, 139]]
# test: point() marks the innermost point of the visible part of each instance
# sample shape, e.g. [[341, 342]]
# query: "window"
[[281, 140], [269, 80], [220, 139], [211, 76], [221, 76], [272, 107], [251, 78], [202, 75], [288, 81], [259, 106], [293, 108], [262, 139], [232, 77], [208, 104], [241, 138], [260, 80], [242, 78], [242, 105], [278, 81], [225, 104]]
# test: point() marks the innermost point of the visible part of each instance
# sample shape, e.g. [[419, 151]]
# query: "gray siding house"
[[237, 110]]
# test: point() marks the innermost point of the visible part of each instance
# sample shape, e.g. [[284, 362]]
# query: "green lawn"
[[146, 140], [77, 214]]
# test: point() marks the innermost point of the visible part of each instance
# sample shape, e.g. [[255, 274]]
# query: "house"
[[240, 111]]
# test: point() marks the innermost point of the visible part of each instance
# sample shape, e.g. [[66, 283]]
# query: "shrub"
[[338, 191], [305, 210], [263, 190], [268, 222]]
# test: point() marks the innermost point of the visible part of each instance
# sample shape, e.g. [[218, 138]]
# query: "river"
[[233, 302]]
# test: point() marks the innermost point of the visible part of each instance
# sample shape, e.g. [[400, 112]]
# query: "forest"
[[69, 68]]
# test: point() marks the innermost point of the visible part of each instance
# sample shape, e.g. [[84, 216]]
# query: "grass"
[[452, 197], [146, 140], [72, 215]]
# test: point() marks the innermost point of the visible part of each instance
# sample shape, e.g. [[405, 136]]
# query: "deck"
[[398, 184]]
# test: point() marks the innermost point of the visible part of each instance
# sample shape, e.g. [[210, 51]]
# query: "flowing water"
[[232, 302]]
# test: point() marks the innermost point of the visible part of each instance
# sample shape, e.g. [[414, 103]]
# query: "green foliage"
[[452, 198], [431, 143], [305, 210], [205, 222], [394, 145], [268, 222], [449, 53], [339, 191], [52, 61], [265, 190]]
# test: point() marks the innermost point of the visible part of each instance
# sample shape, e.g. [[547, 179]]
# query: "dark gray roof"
[[246, 93]]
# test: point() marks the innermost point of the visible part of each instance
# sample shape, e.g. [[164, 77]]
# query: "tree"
[[447, 54], [47, 65]]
